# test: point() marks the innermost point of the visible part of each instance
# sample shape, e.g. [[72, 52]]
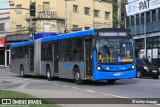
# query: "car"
[[146, 68]]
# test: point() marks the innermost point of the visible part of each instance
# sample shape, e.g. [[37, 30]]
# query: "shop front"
[[2, 51]]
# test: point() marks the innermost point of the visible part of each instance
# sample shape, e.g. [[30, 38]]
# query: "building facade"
[[59, 15], [144, 21], [4, 30]]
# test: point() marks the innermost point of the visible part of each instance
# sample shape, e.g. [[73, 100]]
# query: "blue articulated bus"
[[100, 54]]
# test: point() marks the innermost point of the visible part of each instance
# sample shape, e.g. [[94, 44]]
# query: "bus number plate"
[[117, 74]]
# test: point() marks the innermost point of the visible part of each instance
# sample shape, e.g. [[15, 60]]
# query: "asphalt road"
[[63, 88]]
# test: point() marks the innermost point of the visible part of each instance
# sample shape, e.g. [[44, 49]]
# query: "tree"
[[115, 11]]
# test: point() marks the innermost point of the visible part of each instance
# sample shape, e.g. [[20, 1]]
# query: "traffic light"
[[32, 9], [11, 3]]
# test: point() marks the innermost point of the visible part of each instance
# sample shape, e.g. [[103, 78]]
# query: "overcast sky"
[[4, 4]]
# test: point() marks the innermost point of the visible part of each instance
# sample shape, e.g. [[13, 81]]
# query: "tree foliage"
[[115, 11]]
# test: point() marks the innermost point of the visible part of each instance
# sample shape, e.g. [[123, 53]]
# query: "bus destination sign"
[[112, 33]]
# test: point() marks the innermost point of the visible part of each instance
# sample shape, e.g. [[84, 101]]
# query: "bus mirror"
[[93, 43]]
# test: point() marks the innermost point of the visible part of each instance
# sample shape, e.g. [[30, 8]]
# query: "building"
[[59, 15], [143, 18], [4, 30]]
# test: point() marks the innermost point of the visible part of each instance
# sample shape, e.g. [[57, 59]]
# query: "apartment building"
[[58, 15]]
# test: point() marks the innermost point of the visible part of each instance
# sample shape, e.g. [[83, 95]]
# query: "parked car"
[[145, 68]]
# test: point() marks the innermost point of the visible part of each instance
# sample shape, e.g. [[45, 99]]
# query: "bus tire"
[[48, 73], [77, 77], [111, 81], [22, 71]]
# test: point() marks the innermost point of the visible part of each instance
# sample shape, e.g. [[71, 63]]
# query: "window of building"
[[86, 28], [96, 13], [46, 6], [127, 22], [132, 20], [107, 15], [154, 15], [147, 17], [87, 11], [75, 26], [137, 19], [142, 18], [2, 26], [19, 10], [18, 28], [75, 8], [159, 13]]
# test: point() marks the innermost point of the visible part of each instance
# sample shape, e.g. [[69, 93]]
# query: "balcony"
[[46, 15]]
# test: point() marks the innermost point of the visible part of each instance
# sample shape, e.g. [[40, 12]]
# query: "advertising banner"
[[155, 53], [139, 6], [2, 42]]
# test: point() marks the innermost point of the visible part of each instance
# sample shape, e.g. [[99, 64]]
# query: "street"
[[63, 88]]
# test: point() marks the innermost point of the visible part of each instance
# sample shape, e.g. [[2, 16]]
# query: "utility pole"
[[65, 29], [30, 23], [119, 12]]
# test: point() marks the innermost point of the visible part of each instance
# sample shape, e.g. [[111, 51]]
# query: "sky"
[[4, 4]]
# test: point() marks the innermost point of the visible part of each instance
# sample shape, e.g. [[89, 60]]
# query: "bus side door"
[[88, 58]]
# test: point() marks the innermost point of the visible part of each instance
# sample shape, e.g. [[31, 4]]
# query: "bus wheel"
[[111, 81], [139, 73], [48, 72], [77, 77], [22, 72]]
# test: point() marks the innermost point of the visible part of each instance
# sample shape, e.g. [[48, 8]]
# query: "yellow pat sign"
[[127, 60]]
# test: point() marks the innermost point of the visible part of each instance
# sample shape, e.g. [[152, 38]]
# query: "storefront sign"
[[155, 53], [139, 6], [2, 42]]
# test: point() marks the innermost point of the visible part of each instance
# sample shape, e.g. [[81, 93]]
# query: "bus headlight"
[[98, 68], [133, 66], [159, 69]]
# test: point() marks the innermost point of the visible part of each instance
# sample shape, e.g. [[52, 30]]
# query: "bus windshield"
[[114, 50]]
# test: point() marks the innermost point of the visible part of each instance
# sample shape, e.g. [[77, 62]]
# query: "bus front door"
[[56, 58], [31, 52], [88, 58]]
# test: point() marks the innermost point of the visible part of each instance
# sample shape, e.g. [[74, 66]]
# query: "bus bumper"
[[100, 75]]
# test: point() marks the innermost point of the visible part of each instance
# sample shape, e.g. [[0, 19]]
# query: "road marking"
[[65, 86], [90, 91], [105, 94], [23, 86], [76, 88]]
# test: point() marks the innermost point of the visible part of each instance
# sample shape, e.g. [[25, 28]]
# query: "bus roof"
[[22, 43], [61, 36], [69, 35]]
